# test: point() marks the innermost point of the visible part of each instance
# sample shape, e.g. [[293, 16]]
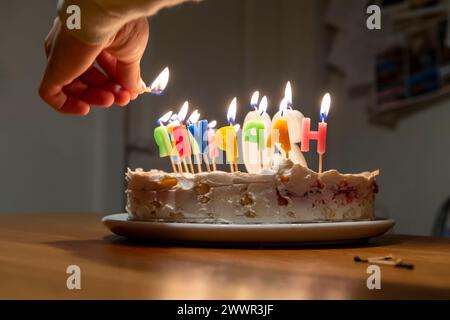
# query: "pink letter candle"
[[212, 148], [321, 134]]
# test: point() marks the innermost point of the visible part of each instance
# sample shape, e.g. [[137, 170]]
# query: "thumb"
[[127, 48], [129, 76]]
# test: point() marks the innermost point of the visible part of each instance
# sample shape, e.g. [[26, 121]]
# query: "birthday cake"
[[286, 193], [278, 186]]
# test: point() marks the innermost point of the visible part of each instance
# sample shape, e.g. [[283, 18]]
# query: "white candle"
[[251, 155], [294, 119]]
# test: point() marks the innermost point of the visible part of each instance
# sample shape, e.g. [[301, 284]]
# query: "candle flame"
[[263, 106], [165, 118], [212, 124], [237, 128], [231, 115], [194, 116], [288, 94], [283, 106], [160, 83], [254, 100], [174, 122], [183, 111], [325, 107]]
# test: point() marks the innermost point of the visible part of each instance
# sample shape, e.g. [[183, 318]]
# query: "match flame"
[[283, 106], [263, 106], [194, 116], [212, 124], [231, 115], [254, 100], [165, 118], [160, 83], [325, 107], [183, 111], [288, 94]]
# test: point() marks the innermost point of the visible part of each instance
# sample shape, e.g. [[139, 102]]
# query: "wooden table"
[[35, 251]]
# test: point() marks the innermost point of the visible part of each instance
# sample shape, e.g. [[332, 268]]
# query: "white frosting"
[[286, 193]]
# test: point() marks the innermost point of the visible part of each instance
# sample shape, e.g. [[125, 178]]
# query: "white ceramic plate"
[[249, 234]]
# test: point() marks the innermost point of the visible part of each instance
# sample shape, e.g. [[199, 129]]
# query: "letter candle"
[[254, 132], [200, 134], [280, 131], [294, 119], [196, 137], [161, 135], [174, 123], [212, 148], [181, 137], [159, 84], [226, 139], [321, 134]]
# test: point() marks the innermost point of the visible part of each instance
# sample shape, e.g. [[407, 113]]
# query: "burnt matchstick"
[[386, 260]]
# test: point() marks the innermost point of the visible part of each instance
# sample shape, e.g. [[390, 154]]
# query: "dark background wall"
[[216, 50]]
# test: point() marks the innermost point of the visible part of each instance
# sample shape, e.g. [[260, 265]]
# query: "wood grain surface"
[[35, 251]]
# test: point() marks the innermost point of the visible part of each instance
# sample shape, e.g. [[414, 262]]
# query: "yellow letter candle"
[[226, 139]]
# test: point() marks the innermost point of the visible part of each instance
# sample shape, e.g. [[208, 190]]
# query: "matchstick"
[[199, 164], [320, 163], [178, 162], [231, 167], [261, 159], [205, 157], [180, 168], [173, 165], [190, 165], [236, 167], [214, 164], [185, 165]]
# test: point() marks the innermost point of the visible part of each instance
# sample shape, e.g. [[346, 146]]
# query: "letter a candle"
[[321, 134], [181, 137], [226, 139]]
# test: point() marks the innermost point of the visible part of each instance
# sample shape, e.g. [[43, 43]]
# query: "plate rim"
[[381, 221], [278, 234]]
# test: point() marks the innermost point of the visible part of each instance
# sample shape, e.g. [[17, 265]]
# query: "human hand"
[[73, 82]]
